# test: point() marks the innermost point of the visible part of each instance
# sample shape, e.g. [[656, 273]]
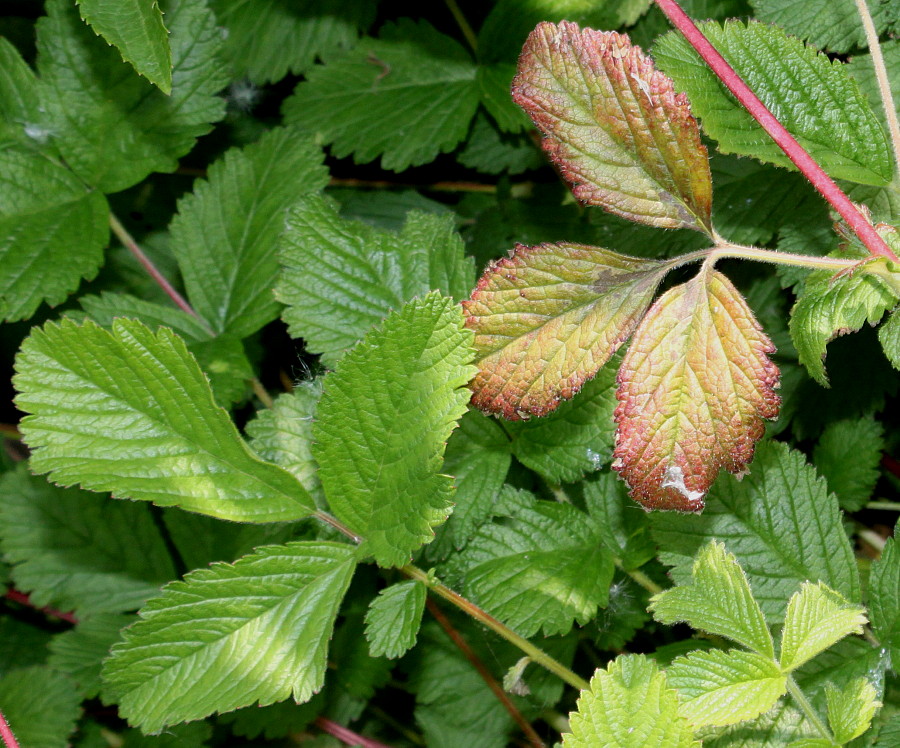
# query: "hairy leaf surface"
[[615, 127], [694, 388], [394, 617], [850, 710]]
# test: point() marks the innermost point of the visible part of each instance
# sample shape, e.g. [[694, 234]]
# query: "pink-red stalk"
[[6, 733], [346, 735], [23, 599]]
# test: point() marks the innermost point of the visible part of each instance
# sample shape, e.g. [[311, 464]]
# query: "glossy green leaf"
[[382, 425], [232, 635], [394, 617], [847, 456], [41, 706], [615, 127], [130, 411], [850, 709]]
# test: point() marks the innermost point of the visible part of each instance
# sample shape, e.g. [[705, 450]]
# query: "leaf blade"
[[393, 619]]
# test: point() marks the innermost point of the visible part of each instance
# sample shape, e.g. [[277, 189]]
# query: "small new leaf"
[[615, 126], [850, 710], [546, 319], [694, 388], [393, 620]]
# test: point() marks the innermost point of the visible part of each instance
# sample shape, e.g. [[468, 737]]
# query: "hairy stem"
[[807, 709], [463, 24], [884, 84], [742, 252], [794, 151], [6, 733], [638, 576], [346, 735], [264, 397]]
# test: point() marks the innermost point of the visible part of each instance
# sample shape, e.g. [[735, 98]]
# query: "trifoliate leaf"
[[718, 600], [267, 39], [74, 550], [780, 522], [546, 319], [231, 635], [889, 337], [130, 411], [52, 232], [629, 705], [41, 706], [850, 710], [393, 620], [884, 598], [540, 568], [622, 525], [383, 423], [847, 456], [136, 29], [341, 277], [79, 653], [615, 127], [111, 126], [406, 96], [809, 94], [694, 388], [226, 231], [817, 617], [723, 688]]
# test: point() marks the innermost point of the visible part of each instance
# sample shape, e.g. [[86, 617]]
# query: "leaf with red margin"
[[615, 126], [546, 319], [694, 388]]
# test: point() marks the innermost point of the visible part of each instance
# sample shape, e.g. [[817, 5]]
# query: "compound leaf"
[[130, 411], [884, 598], [383, 422], [847, 456], [546, 319], [231, 635], [136, 28], [615, 127], [850, 710], [393, 620], [694, 388], [41, 706]]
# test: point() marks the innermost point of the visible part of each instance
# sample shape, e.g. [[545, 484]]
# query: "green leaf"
[[622, 524], [722, 688], [630, 705], [718, 600], [111, 126], [614, 126], [810, 95], [41, 706], [492, 152], [850, 710], [694, 389], [136, 28], [341, 277], [21, 120], [194, 735], [267, 39], [406, 96], [817, 617], [383, 423], [889, 337], [780, 522], [52, 232], [231, 635], [540, 568], [494, 82], [884, 598], [393, 620], [226, 231], [130, 411], [546, 319], [21, 644], [847, 456], [79, 652], [862, 69], [77, 551]]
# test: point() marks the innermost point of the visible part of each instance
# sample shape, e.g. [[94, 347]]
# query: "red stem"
[[346, 735], [23, 599], [891, 465], [794, 151], [6, 733]]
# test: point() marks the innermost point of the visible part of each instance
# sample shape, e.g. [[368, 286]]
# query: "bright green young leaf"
[[884, 598], [78, 551], [850, 710], [111, 126], [40, 705], [629, 705], [231, 635], [546, 319], [267, 39], [393, 620], [226, 232], [79, 652], [817, 617], [694, 388], [810, 95], [622, 525], [341, 277], [52, 232], [137, 30], [615, 127], [540, 568], [383, 422], [847, 456], [718, 600], [130, 411], [723, 688], [780, 522], [406, 96]]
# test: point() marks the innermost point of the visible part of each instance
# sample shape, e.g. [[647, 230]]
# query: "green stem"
[[463, 24], [807, 709], [889, 506], [743, 252], [537, 655], [638, 576], [871, 537]]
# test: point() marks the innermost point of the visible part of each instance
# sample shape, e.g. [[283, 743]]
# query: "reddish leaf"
[[694, 388], [615, 127], [546, 319]]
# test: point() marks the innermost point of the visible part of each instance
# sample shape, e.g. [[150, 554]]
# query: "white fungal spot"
[[674, 478]]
